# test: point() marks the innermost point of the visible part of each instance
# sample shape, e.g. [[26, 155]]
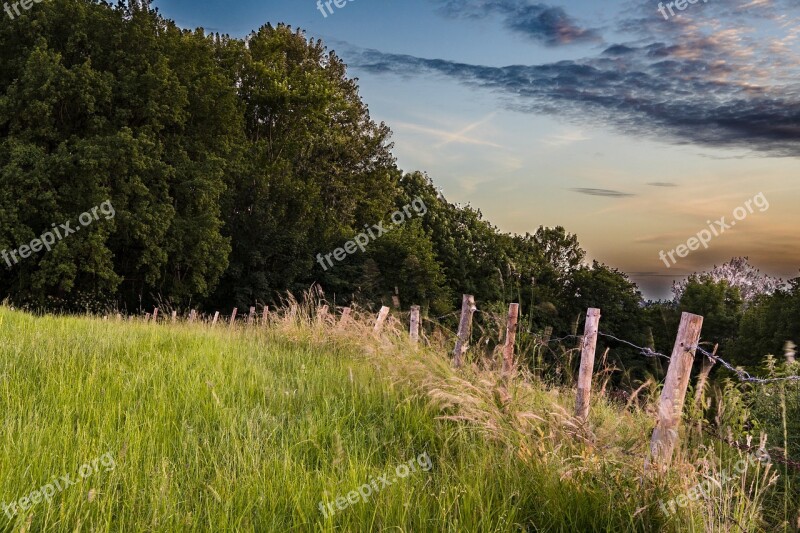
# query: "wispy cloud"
[[564, 139], [662, 184], [602, 192], [447, 137], [461, 134]]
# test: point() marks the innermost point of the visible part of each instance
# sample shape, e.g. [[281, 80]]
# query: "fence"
[[673, 395]]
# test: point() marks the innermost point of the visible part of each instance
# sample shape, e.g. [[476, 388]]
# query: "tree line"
[[233, 163]]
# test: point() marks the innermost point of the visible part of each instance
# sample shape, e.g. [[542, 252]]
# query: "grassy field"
[[188, 428]]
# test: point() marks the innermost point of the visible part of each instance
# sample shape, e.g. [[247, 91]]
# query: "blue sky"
[[630, 130]]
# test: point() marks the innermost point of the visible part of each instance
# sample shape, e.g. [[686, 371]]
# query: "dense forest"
[[233, 163]]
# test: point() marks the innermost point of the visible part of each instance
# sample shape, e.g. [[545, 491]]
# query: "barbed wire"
[[776, 455], [647, 352], [558, 339], [742, 374]]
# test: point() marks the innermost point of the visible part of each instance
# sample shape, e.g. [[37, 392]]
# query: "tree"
[[739, 273], [112, 104], [314, 165], [718, 303]]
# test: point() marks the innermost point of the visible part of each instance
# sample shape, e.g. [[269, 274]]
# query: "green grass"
[[249, 430]]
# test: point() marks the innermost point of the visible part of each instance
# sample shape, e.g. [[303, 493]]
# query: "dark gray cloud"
[[653, 90], [602, 192], [725, 75], [549, 25]]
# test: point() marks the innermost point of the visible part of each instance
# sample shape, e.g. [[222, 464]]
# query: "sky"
[[634, 128]]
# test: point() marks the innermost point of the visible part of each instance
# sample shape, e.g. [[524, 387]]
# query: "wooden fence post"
[[384, 312], [265, 316], [174, 316], [670, 408], [464, 328], [147, 317], [155, 314], [251, 316], [216, 317], [511, 338], [588, 347], [233, 316], [414, 327], [345, 317], [192, 315]]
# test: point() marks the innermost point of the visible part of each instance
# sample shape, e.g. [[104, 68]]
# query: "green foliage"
[[768, 323], [771, 402], [116, 104], [719, 304]]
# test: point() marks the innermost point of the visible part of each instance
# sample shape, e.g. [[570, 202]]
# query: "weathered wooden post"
[[464, 328], [233, 316], [413, 330], [174, 316], [251, 316], [588, 347], [511, 338], [265, 316], [216, 317], [155, 314], [670, 408], [192, 315], [147, 317], [384, 312], [345, 317]]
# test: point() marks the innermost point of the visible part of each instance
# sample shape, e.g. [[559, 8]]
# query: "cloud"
[[459, 135], [656, 91], [718, 76], [446, 137], [545, 24], [662, 184], [602, 192], [566, 138], [662, 238]]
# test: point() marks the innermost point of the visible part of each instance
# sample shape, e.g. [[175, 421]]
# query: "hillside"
[[260, 428]]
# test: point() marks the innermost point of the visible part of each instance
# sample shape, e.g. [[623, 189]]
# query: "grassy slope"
[[220, 430]]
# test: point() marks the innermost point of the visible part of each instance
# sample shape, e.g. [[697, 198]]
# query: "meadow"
[[253, 428]]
